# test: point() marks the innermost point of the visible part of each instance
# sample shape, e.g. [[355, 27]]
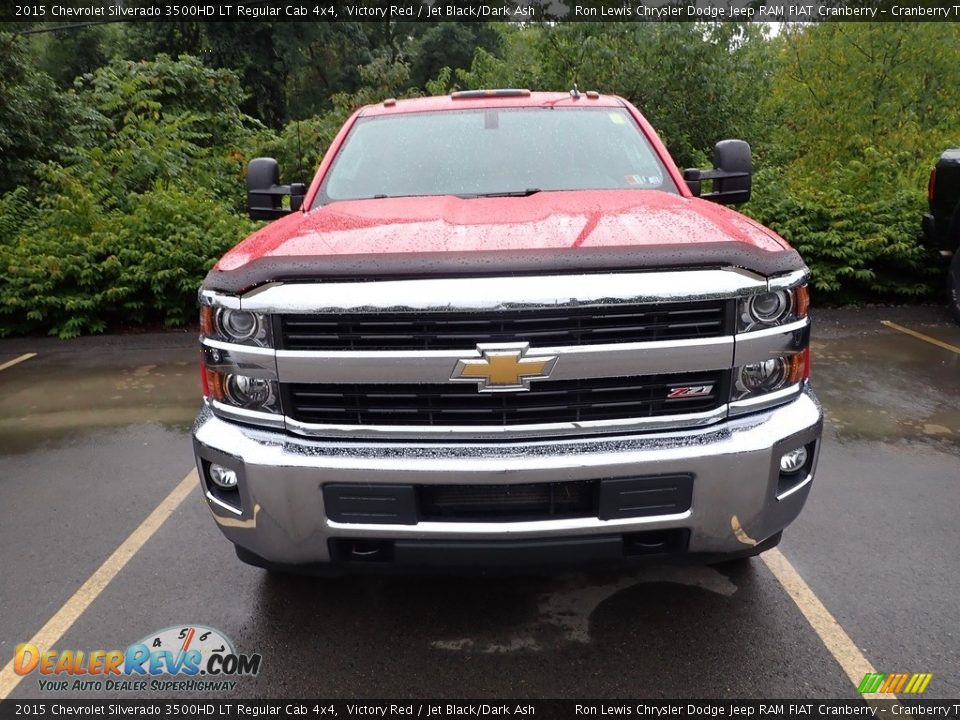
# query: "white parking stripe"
[[921, 336], [833, 636], [17, 360], [67, 615]]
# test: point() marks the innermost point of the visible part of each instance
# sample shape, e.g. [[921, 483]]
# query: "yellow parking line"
[[919, 336], [67, 615], [831, 634], [17, 360]]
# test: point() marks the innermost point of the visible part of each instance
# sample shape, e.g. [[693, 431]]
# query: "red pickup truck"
[[501, 329]]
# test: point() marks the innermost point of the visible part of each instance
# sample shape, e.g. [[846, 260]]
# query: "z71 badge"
[[686, 391]]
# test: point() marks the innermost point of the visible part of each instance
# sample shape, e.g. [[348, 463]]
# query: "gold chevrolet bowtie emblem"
[[504, 367]]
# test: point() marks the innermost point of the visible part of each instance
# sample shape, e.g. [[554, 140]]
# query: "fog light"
[[227, 479], [793, 461]]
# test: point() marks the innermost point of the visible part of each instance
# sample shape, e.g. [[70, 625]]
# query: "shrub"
[[128, 221], [858, 235], [76, 270]]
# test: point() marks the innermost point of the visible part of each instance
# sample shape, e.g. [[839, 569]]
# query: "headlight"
[[762, 377], [235, 326], [769, 376], [242, 391], [237, 363], [248, 392], [769, 309], [238, 325]]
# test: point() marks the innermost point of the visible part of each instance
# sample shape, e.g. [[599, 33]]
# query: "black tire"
[[953, 286]]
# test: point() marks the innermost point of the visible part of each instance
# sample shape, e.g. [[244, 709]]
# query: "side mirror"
[[731, 175], [265, 193]]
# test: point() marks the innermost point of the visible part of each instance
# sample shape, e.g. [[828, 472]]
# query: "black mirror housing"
[[692, 178], [731, 176], [265, 193]]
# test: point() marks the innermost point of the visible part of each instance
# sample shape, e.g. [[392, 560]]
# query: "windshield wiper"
[[511, 193]]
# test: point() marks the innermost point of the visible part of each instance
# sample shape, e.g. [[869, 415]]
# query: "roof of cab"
[[451, 102]]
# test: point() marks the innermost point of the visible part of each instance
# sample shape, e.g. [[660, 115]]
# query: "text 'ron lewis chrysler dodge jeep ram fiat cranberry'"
[[502, 329]]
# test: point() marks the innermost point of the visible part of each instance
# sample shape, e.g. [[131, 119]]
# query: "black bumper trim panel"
[[379, 504], [645, 496]]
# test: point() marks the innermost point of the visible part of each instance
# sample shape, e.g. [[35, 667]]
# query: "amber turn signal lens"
[[214, 385], [206, 321], [798, 366], [801, 301]]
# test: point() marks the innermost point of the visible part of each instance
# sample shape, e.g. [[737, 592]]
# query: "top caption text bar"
[[78, 11]]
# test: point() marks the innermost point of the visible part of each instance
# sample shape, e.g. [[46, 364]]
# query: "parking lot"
[[95, 456]]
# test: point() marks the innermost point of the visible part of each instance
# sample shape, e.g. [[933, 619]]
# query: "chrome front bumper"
[[736, 499]]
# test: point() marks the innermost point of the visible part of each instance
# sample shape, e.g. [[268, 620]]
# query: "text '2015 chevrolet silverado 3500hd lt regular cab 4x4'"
[[501, 329]]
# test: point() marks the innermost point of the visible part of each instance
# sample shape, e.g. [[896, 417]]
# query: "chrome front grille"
[[388, 359], [452, 405], [541, 327]]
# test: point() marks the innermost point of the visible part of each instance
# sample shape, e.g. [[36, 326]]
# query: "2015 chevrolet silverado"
[[502, 329]]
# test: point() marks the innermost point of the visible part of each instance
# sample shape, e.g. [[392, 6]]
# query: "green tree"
[[863, 110], [69, 53], [846, 89], [448, 44], [286, 69], [35, 116], [129, 220]]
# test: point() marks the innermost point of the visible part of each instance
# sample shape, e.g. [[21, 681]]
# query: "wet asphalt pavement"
[[94, 433]]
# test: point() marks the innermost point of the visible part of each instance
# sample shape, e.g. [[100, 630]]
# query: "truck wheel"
[[953, 286]]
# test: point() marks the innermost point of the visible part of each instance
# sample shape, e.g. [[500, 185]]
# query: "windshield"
[[489, 152]]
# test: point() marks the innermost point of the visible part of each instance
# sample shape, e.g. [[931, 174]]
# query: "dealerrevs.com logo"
[[184, 658]]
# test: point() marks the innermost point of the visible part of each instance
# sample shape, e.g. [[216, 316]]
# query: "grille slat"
[[546, 402], [462, 330]]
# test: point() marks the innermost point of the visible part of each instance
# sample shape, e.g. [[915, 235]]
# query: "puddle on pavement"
[[568, 609], [57, 405], [887, 387]]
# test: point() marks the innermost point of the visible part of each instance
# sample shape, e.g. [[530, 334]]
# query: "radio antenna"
[[299, 154]]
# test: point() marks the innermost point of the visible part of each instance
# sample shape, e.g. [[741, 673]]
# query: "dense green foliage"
[[865, 110], [33, 116], [126, 222], [121, 167]]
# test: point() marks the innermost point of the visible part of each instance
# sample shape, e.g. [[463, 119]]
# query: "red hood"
[[598, 218]]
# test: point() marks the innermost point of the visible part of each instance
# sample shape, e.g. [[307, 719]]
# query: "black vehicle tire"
[[953, 286]]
